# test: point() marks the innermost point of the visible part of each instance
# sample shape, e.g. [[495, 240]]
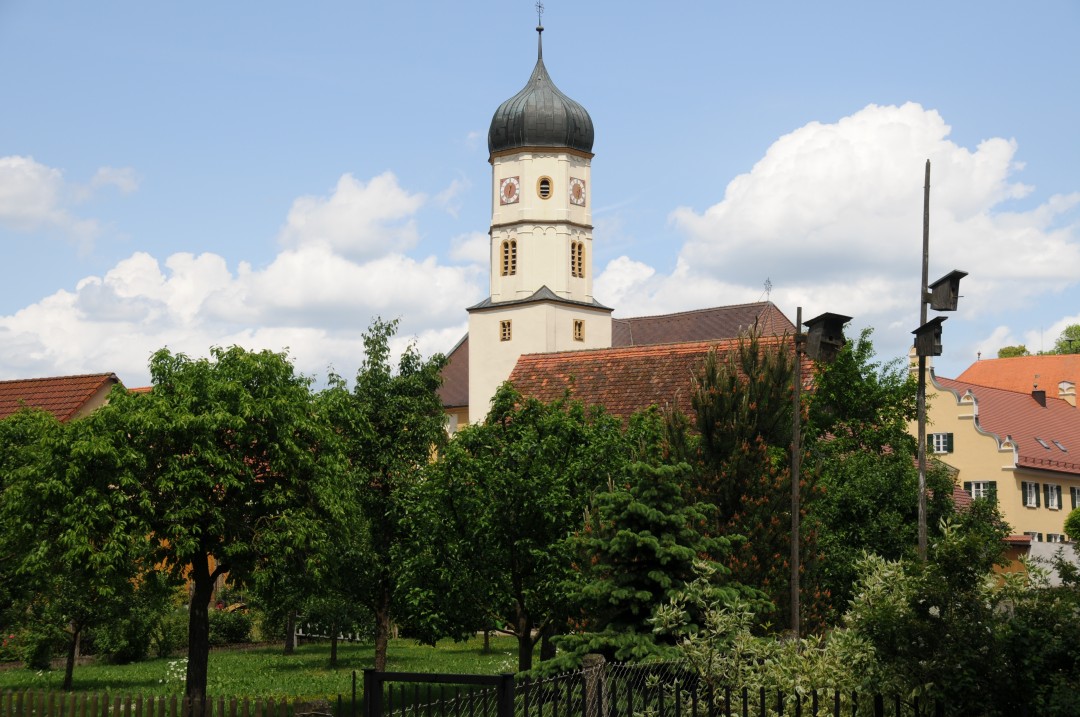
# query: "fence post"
[[592, 668], [505, 704], [372, 693]]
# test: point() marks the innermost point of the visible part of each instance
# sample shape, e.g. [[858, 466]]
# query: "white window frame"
[[939, 442], [1035, 537], [1055, 538], [1053, 496], [981, 489], [1031, 497]]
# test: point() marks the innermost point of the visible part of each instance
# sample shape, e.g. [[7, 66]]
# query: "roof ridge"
[[697, 311], [61, 378]]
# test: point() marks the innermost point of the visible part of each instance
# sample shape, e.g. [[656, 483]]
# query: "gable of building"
[[66, 397]]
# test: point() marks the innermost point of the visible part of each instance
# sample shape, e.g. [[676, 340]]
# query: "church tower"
[[540, 144]]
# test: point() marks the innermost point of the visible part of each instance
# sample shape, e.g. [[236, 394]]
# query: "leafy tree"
[[234, 475], [1069, 341], [388, 425], [642, 544], [491, 519], [1072, 525], [71, 520], [738, 439], [863, 455], [1013, 351]]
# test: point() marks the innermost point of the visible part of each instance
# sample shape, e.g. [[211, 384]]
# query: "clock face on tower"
[[509, 190], [577, 191]]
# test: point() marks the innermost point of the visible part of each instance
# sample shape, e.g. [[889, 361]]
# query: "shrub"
[[229, 628]]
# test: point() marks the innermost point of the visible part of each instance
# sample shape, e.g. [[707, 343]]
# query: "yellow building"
[[1022, 448]]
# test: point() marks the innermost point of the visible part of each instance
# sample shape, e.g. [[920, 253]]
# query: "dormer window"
[[1042, 443], [1058, 444]]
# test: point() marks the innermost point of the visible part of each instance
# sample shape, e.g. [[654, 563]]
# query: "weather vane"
[[768, 288], [539, 13]]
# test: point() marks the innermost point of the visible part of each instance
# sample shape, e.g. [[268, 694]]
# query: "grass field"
[[266, 672]]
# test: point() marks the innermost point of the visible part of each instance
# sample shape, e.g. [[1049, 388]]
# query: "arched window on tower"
[[509, 257], [577, 259]]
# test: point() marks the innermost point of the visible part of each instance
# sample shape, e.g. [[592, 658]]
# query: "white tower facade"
[[541, 274]]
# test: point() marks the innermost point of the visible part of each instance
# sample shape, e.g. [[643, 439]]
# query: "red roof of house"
[[454, 390], [1025, 373], [623, 380], [61, 396], [1046, 433]]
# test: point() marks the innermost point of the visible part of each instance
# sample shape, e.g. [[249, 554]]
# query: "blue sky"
[[276, 174]]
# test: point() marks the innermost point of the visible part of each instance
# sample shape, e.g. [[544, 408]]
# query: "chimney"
[[1040, 397]]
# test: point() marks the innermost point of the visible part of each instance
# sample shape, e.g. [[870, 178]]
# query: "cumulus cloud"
[[315, 297], [472, 248], [358, 219], [832, 215], [123, 178], [34, 196]]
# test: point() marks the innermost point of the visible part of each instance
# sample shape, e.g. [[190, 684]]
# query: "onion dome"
[[540, 116]]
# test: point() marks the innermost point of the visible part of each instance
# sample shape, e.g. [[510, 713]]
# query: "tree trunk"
[[487, 642], [290, 632], [333, 646], [382, 630], [523, 628], [199, 627], [547, 647], [73, 654]]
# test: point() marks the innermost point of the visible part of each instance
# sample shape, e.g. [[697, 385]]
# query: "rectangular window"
[[941, 442], [1055, 538], [1035, 537], [1074, 492], [579, 330], [1030, 492], [1052, 494], [504, 330], [985, 489]]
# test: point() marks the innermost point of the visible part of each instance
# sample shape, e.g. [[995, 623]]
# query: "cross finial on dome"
[[539, 30]]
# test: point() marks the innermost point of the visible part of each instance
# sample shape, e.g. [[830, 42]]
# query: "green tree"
[[641, 545], [738, 439], [1069, 341], [71, 519], [389, 425], [234, 475], [1072, 525], [1013, 351], [490, 521], [863, 455]]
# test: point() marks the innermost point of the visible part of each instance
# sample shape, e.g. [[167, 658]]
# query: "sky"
[[276, 175]]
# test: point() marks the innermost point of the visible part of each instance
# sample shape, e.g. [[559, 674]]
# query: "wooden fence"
[[39, 703]]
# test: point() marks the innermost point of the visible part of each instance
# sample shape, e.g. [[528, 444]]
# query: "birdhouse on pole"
[[945, 292], [928, 338], [825, 336]]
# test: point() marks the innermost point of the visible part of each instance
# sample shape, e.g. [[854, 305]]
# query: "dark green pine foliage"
[[643, 542]]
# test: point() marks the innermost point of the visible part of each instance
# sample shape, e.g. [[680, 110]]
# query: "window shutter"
[[1074, 491], [1046, 494], [1040, 537], [993, 491], [967, 486], [948, 443], [1023, 493], [1036, 494]]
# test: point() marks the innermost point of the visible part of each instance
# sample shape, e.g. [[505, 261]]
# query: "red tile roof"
[[623, 380], [62, 396], [720, 322], [1026, 420], [1022, 373]]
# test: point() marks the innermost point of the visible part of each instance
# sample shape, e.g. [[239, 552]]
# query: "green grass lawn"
[[266, 672]]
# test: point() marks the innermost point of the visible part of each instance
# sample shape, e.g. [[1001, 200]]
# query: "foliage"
[[1013, 351], [489, 522], [73, 539], [738, 440], [388, 426], [864, 458], [233, 476], [1069, 341], [229, 627], [717, 641], [1072, 525], [131, 632], [642, 543]]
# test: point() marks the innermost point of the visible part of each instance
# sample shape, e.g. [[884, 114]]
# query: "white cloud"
[[33, 196], [450, 198], [315, 298], [472, 248], [123, 178], [358, 219]]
